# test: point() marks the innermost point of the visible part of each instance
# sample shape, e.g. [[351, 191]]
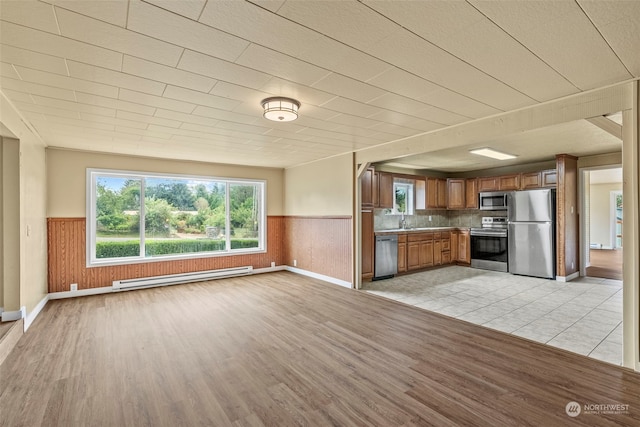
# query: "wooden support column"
[[567, 233], [631, 233]]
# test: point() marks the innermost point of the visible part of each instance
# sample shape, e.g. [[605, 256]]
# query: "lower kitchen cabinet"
[[464, 247], [368, 244], [402, 253], [413, 256]]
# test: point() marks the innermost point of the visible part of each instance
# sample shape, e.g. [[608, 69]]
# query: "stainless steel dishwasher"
[[386, 261]]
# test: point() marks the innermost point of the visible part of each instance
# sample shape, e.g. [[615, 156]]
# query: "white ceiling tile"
[[162, 73], [305, 94], [94, 118], [73, 106], [349, 88], [186, 118], [30, 59], [404, 120], [64, 82], [458, 28], [348, 106], [175, 29], [229, 116], [347, 21], [29, 13], [17, 96], [150, 133], [200, 98], [259, 26], [408, 106], [115, 104], [111, 11], [51, 44], [155, 101], [112, 37], [222, 70], [280, 65], [114, 78], [560, 34], [333, 55], [84, 124], [394, 129], [619, 24], [47, 111], [191, 9], [37, 89], [452, 101], [240, 93], [409, 51], [7, 70], [147, 120]]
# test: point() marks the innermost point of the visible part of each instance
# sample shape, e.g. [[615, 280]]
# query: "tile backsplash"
[[432, 218]]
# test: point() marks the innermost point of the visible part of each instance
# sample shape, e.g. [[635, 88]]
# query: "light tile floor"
[[583, 316]]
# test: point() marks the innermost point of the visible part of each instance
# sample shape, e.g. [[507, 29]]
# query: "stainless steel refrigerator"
[[531, 244]]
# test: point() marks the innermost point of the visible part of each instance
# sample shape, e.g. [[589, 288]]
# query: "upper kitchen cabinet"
[[490, 183], [509, 182], [456, 193], [549, 178], [530, 180], [385, 191], [471, 193], [436, 193], [366, 186]]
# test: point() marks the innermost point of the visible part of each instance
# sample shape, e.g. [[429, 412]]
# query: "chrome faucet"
[[403, 222]]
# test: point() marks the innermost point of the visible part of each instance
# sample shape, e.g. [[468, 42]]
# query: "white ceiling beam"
[[607, 125], [594, 103]]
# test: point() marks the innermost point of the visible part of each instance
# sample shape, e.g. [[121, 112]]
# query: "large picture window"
[[136, 217]]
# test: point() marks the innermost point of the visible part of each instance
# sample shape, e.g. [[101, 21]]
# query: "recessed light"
[[488, 152]]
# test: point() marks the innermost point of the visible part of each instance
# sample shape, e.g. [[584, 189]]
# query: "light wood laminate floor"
[[281, 349]]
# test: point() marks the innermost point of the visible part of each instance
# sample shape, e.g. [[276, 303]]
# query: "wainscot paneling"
[[320, 244], [67, 257]]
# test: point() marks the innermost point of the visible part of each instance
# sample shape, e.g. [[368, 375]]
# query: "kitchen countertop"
[[419, 230]]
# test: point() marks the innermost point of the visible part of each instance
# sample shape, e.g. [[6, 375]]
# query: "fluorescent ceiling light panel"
[[488, 152]]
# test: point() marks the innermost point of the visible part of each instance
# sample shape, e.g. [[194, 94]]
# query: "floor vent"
[[174, 279]]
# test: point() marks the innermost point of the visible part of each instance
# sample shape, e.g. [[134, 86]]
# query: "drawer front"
[[446, 245]]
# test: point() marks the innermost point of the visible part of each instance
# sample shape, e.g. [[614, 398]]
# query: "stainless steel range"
[[489, 244]]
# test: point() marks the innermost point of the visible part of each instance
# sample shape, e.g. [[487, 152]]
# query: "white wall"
[[320, 188], [600, 213], [31, 227]]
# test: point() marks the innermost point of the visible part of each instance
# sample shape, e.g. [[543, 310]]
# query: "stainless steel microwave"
[[493, 201]]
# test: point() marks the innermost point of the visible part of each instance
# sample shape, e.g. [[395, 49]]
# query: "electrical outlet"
[[295, 262], [73, 287], [273, 264]]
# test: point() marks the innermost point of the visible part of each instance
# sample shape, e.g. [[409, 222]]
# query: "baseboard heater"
[[174, 279]]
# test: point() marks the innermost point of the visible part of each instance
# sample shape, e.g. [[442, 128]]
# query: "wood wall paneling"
[[67, 258]]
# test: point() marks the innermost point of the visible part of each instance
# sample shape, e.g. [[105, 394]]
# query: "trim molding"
[[568, 278], [320, 276], [28, 320], [10, 316], [81, 293]]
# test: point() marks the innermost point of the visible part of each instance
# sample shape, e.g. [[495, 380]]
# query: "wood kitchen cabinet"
[[437, 249], [549, 178], [368, 244], [471, 194], [436, 193], [464, 247], [456, 193], [509, 182], [491, 183], [385, 190], [445, 247], [402, 253], [419, 251], [530, 180], [366, 187]]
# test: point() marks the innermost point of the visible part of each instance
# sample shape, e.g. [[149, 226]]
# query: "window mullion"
[[143, 249], [227, 219]]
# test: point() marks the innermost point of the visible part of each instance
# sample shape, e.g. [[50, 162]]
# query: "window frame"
[[91, 198]]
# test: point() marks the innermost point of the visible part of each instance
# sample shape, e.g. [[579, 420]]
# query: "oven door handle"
[[481, 234]]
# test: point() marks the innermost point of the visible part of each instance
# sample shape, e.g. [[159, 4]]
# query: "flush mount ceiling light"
[[280, 109], [488, 152]]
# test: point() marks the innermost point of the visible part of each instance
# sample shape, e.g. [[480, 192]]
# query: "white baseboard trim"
[[269, 269], [28, 320], [81, 293], [1, 310], [11, 316], [319, 276], [569, 277]]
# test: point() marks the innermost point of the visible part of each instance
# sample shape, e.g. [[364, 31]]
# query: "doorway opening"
[[602, 224]]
